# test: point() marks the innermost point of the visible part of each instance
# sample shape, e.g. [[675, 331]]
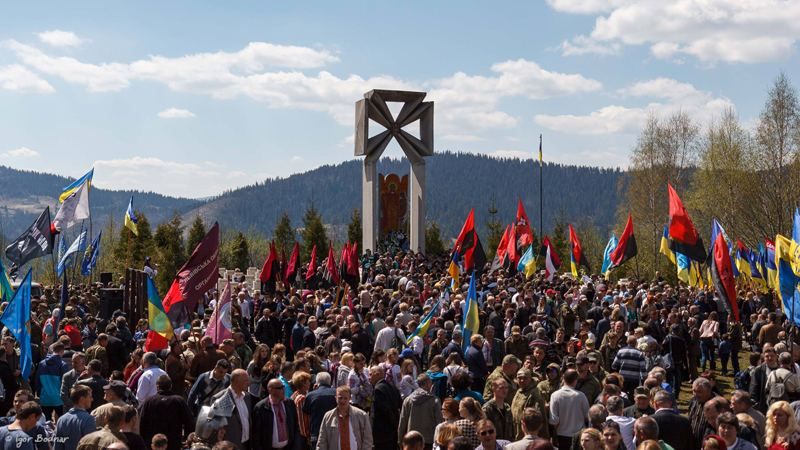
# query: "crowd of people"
[[573, 364]]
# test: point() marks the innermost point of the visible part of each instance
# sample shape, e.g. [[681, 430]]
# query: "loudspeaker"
[[106, 277], [110, 301]]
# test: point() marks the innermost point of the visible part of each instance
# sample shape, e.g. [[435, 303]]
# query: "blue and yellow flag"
[[470, 325], [743, 262], [130, 219], [425, 323], [454, 270], [75, 185], [756, 276], [665, 250], [527, 263], [772, 268], [6, 291], [612, 244], [16, 317], [156, 316], [786, 260]]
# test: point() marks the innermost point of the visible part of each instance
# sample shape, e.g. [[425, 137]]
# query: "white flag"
[[74, 209]]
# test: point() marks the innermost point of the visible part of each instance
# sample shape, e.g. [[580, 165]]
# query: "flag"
[[500, 253], [156, 316], [344, 256], [331, 271], [684, 267], [512, 257], [547, 245], [131, 222], [576, 256], [523, 227], [526, 258], [682, 233], [796, 226], [756, 276], [195, 278], [424, 324], [90, 258], [549, 266], [74, 209], [64, 299], [665, 247], [86, 180], [36, 241], [311, 271], [78, 245], [626, 247], [62, 246], [351, 274], [610, 246], [722, 276], [6, 291], [291, 268], [787, 280], [540, 157], [219, 325], [270, 272], [769, 262], [453, 268], [470, 321], [469, 245], [16, 317], [742, 261]]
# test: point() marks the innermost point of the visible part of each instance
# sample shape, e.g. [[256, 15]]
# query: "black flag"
[[36, 241]]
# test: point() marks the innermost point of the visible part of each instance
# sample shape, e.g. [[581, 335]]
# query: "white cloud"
[[176, 113], [614, 119], [58, 38], [169, 177], [462, 138], [18, 78], [22, 152], [732, 31]]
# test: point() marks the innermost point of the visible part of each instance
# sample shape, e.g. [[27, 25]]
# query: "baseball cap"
[[508, 359], [117, 386], [641, 391]]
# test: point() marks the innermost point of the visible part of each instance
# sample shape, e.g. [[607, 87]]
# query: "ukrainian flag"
[[470, 322], [743, 262], [612, 244], [755, 271], [527, 263], [424, 324], [684, 268], [157, 317], [772, 269], [130, 219], [453, 270], [76, 185], [786, 260], [666, 251]]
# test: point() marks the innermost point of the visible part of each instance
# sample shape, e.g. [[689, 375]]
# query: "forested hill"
[[456, 183], [24, 194]]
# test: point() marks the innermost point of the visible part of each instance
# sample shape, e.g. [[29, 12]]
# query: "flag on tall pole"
[[291, 268], [468, 245], [576, 256], [17, 317], [550, 259], [769, 262], [682, 233], [160, 327], [131, 222], [512, 254], [219, 325], [331, 271], [522, 228], [86, 179], [73, 209], [722, 276], [425, 323], [36, 241], [626, 247], [665, 248], [500, 253], [311, 270], [269, 271], [541, 189], [610, 246], [90, 258], [78, 245]]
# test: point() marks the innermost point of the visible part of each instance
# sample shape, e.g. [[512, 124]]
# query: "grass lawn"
[[724, 383]]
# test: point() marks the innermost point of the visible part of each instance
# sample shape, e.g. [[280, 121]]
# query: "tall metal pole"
[[541, 190]]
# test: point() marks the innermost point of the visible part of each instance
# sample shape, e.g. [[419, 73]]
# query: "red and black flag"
[[331, 271], [500, 254], [722, 276], [682, 233], [351, 274], [626, 247], [271, 271], [512, 255], [522, 228], [553, 254], [344, 257], [311, 270], [469, 246], [576, 256], [291, 267]]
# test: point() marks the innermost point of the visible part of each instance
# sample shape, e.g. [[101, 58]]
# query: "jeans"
[[707, 353]]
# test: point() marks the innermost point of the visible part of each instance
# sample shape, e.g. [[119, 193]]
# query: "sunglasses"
[[487, 432]]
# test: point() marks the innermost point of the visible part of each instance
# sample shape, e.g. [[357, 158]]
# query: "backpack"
[[742, 380], [397, 342], [775, 387]]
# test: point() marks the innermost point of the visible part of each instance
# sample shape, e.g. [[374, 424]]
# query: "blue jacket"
[[48, 380], [476, 363], [71, 427]]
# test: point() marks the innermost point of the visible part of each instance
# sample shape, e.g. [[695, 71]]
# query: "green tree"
[[496, 230], [284, 234], [196, 234], [240, 256], [434, 246], [314, 234], [561, 243], [131, 250], [170, 251], [354, 229]]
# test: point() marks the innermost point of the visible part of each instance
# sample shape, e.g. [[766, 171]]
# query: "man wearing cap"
[[587, 383], [551, 383], [113, 394], [516, 344], [507, 371], [641, 404], [527, 396]]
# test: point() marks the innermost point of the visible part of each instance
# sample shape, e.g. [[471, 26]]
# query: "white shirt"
[[244, 414], [353, 443], [276, 443], [626, 429], [383, 341], [146, 387]]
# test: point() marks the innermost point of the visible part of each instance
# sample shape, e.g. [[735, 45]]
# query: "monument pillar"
[[373, 107]]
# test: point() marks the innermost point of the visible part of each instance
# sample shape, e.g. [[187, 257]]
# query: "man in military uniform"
[[527, 396], [587, 383], [505, 371], [551, 383], [98, 352]]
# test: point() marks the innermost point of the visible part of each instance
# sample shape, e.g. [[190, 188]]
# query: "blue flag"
[[90, 260], [796, 226], [612, 244], [470, 319], [78, 245], [526, 258], [17, 318]]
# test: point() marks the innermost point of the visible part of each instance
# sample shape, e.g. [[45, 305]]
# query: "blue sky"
[[192, 98]]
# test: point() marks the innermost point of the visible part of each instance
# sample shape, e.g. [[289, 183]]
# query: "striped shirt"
[[631, 364], [303, 419]]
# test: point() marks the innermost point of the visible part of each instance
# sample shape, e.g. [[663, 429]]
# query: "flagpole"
[[541, 190], [75, 262]]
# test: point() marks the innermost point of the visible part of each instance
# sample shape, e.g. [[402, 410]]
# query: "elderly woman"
[[782, 430]]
